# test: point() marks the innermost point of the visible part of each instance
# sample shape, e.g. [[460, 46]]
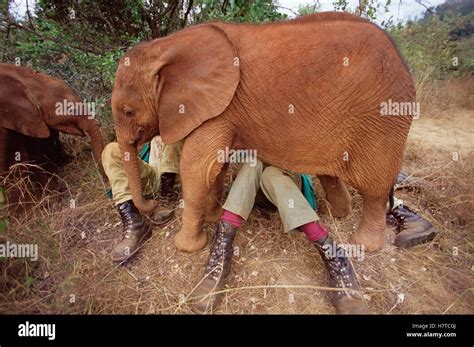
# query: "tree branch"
[[54, 39]]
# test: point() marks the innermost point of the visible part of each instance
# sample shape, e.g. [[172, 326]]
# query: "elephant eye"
[[128, 111]]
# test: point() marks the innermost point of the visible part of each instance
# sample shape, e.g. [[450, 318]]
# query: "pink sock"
[[232, 218], [314, 231]]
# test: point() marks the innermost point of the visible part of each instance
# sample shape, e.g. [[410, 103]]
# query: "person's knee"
[[247, 168], [110, 151], [269, 174]]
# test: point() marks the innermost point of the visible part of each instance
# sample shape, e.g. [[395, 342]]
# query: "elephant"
[[29, 104], [305, 94]]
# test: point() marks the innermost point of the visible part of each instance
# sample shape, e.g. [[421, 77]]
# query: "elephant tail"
[[391, 200]]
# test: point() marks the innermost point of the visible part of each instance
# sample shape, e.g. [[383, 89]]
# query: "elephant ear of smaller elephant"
[[19, 111], [201, 75]]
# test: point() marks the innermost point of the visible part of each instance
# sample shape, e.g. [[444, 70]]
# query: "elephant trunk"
[[130, 162], [97, 145]]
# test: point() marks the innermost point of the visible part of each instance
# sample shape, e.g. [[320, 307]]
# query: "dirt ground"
[[273, 272]]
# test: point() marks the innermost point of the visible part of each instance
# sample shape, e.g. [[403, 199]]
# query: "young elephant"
[[306, 94], [29, 105]]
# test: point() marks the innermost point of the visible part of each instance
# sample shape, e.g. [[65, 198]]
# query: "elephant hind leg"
[[338, 199], [370, 232]]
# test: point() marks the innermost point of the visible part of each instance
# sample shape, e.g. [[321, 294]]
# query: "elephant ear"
[[198, 80], [19, 111]]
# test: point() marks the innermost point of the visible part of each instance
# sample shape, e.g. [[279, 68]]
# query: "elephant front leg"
[[338, 200], [214, 207], [197, 191], [370, 232], [202, 178]]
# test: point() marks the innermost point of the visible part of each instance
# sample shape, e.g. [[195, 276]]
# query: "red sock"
[[314, 231], [232, 218]]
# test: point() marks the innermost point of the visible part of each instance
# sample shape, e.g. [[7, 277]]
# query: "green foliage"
[[82, 41], [440, 45], [306, 9], [369, 9], [238, 11]]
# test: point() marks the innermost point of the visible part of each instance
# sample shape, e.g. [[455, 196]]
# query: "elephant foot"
[[372, 240], [214, 215], [338, 200], [336, 210], [190, 241]]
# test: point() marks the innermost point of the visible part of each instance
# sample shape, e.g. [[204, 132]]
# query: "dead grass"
[[273, 272]]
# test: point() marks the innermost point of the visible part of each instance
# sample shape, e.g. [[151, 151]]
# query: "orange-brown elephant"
[[305, 93], [31, 104]]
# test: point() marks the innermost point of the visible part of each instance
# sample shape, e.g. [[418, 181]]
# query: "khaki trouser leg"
[[242, 194], [283, 189], [170, 157], [113, 166]]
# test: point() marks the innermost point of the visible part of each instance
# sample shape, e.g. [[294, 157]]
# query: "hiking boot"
[[411, 229], [341, 276], [135, 231], [216, 271], [167, 200]]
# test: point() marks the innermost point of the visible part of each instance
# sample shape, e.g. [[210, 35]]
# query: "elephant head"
[[29, 105], [169, 87]]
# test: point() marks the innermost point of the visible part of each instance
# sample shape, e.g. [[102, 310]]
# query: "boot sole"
[[210, 308], [409, 241], [217, 299], [145, 235]]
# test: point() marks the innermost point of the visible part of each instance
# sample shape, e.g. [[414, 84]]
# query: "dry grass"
[[274, 272]]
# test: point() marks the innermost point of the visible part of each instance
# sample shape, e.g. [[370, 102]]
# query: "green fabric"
[[108, 193], [145, 153], [308, 190]]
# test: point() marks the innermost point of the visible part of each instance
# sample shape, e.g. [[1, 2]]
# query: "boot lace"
[[217, 257], [126, 223], [165, 199], [338, 267], [400, 217]]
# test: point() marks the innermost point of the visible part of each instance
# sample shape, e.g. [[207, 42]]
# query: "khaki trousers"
[[282, 188], [164, 158]]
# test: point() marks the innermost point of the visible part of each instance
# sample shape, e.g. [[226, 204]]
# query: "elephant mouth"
[[137, 138]]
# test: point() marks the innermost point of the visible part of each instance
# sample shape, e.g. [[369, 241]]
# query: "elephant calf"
[[29, 103], [306, 94]]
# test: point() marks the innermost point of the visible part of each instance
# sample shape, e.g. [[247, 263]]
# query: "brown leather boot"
[[136, 230], [216, 271], [411, 229], [167, 200], [341, 275]]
